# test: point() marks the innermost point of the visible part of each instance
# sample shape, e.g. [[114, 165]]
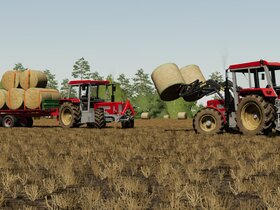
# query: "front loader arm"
[[196, 90]]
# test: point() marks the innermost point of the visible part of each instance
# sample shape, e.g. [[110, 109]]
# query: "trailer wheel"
[[255, 115], [100, 121], [25, 122], [69, 115], [208, 121], [9, 121], [29, 122]]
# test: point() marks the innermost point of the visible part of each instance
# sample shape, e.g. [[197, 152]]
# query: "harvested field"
[[161, 164]]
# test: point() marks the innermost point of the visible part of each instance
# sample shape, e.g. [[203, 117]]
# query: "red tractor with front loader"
[[84, 105], [250, 103]]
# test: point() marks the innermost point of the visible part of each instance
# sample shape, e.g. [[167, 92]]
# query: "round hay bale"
[[35, 96], [182, 116], [15, 98], [167, 79], [10, 79], [32, 79], [191, 73], [166, 116], [145, 115], [3, 94]]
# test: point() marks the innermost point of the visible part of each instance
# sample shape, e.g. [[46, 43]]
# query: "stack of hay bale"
[[25, 89], [168, 78]]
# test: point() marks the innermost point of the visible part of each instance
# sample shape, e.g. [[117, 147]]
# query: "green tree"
[[95, 76], [52, 82], [110, 78], [19, 67], [125, 85], [217, 76], [81, 69], [142, 85], [157, 108], [64, 88]]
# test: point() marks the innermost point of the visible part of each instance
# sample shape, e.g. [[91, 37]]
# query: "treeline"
[[139, 90]]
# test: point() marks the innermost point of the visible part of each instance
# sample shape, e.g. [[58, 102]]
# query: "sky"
[[123, 36]]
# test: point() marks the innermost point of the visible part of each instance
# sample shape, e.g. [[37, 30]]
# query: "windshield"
[[275, 76], [74, 92], [251, 78]]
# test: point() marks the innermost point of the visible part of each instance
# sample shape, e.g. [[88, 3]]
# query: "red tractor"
[[250, 104], [84, 106]]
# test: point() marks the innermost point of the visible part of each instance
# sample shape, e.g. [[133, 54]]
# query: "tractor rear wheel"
[[69, 115], [208, 121], [100, 121], [255, 115]]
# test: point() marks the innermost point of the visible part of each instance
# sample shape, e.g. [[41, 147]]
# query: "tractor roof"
[[255, 64], [89, 82]]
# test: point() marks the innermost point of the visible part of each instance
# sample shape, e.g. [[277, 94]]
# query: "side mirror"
[[262, 76]]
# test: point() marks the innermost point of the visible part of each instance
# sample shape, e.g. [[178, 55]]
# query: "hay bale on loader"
[[167, 79], [3, 94], [182, 116], [191, 73], [15, 98], [35, 96], [33, 79], [10, 79], [145, 116]]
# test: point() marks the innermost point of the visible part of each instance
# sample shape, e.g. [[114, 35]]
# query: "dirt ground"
[[160, 164]]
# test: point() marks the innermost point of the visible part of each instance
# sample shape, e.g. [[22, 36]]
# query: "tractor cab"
[[260, 78], [88, 92], [91, 103]]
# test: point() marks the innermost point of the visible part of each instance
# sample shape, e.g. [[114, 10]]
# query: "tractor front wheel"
[[255, 115], [100, 121], [69, 115], [208, 121]]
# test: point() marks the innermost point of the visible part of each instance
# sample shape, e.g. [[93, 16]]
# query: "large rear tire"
[[69, 115], [208, 121], [100, 121], [255, 115]]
